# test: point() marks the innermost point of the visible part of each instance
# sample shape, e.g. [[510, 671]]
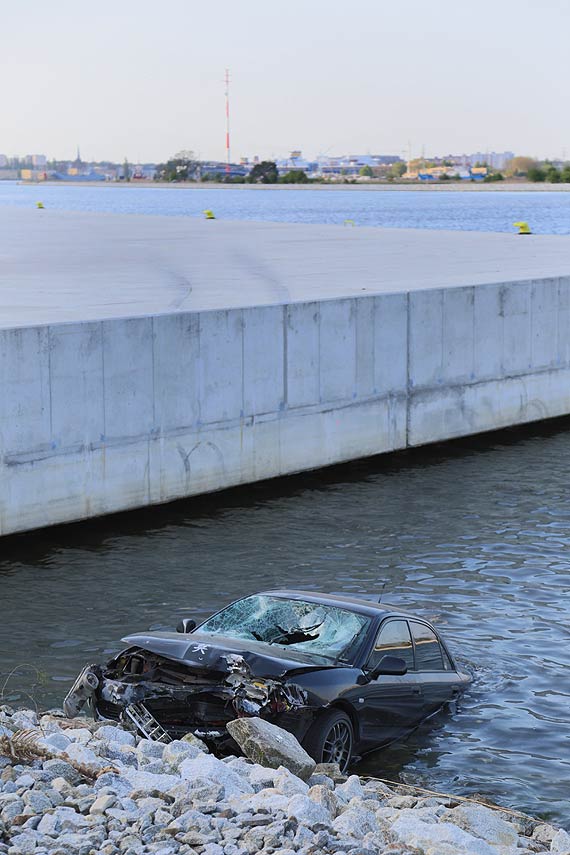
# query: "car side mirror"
[[390, 665], [186, 625]]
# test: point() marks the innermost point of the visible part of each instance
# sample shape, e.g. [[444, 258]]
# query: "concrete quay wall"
[[105, 416]]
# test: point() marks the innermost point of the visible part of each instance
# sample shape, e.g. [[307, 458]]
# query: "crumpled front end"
[[186, 699]]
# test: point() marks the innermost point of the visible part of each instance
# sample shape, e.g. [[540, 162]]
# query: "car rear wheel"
[[331, 739]]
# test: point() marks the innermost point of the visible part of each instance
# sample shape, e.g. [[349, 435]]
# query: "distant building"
[[3, 161], [219, 169], [39, 161], [350, 165], [27, 174]]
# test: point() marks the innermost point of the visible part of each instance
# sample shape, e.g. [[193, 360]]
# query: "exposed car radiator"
[[146, 723]]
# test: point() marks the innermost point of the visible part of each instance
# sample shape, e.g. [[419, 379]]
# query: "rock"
[[57, 741], [484, 823], [206, 766], [101, 804], [259, 777], [326, 797], [561, 843], [268, 801], [193, 740], [24, 720], [355, 822], [49, 824], [37, 801], [60, 769], [331, 770], [432, 836], [544, 833], [82, 755], [352, 788], [148, 749], [24, 844], [271, 746], [177, 751], [117, 735], [289, 784], [308, 812], [146, 781]]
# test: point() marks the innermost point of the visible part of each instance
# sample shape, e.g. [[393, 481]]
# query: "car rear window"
[[427, 647]]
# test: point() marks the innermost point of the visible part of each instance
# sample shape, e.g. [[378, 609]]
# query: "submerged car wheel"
[[331, 738]]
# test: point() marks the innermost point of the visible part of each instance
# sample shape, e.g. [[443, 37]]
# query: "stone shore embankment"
[[76, 787]]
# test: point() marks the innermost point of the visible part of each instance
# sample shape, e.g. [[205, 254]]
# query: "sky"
[[142, 80]]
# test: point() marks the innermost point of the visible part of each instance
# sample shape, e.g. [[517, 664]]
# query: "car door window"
[[393, 640], [427, 648]]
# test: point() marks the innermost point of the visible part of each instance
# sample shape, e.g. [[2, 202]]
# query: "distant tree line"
[[535, 171]]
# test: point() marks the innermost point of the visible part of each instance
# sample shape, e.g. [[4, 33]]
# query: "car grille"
[[108, 710]]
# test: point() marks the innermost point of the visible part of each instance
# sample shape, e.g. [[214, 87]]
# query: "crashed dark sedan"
[[344, 675]]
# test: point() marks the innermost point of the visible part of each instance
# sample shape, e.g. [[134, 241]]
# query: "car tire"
[[331, 739]]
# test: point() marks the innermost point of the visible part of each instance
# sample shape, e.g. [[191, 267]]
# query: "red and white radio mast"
[[228, 168]]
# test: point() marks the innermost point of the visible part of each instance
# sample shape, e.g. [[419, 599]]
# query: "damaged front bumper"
[[182, 699]]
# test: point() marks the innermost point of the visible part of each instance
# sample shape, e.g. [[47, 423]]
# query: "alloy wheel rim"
[[337, 746]]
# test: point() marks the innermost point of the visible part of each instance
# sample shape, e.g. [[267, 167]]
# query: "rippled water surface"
[[472, 535], [494, 211]]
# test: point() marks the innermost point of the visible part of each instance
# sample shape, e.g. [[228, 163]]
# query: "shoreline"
[[450, 187], [80, 786]]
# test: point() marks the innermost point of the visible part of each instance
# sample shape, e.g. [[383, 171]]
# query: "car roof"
[[354, 604]]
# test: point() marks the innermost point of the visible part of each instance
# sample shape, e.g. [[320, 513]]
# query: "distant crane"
[[228, 167]]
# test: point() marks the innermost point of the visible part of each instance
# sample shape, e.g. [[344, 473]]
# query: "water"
[[547, 212], [473, 535]]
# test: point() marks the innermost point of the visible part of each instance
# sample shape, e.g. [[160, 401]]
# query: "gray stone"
[[355, 822], [544, 833], [101, 804], [60, 769], [111, 733], [25, 843], [331, 770], [206, 766], [561, 843], [352, 788], [193, 740], [38, 802], [24, 720], [147, 749], [269, 745], [57, 741], [145, 781], [81, 754], [432, 836], [308, 812], [177, 751], [326, 797], [49, 824], [482, 822]]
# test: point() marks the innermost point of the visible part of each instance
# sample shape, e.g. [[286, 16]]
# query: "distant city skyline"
[[136, 81]]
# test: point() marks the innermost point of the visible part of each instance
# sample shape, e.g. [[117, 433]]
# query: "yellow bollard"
[[209, 214], [524, 228], [39, 205]]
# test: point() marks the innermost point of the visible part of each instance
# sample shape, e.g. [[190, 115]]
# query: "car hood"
[[201, 651]]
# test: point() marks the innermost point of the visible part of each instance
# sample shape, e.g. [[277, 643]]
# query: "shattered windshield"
[[326, 631]]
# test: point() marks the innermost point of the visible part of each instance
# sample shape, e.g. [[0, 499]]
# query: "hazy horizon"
[[144, 81]]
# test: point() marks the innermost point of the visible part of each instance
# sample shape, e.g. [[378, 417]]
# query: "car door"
[[390, 705], [436, 676]]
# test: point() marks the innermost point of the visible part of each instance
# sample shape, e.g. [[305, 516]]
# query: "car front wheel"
[[331, 739]]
